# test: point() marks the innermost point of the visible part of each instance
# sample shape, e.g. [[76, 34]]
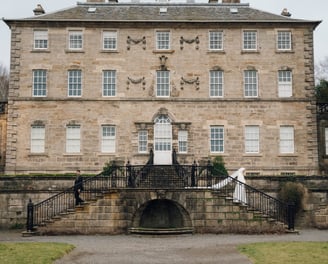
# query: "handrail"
[[164, 177]]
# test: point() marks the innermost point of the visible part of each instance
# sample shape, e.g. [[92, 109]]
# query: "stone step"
[[161, 231]]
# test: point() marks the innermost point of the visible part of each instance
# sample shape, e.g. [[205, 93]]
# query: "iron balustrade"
[[322, 108], [187, 177]]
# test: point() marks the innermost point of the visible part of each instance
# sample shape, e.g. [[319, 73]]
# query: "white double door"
[[163, 141]]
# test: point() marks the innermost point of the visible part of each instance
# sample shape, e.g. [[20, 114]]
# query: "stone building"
[[106, 81]]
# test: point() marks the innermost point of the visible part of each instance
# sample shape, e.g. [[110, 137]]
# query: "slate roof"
[[176, 12]]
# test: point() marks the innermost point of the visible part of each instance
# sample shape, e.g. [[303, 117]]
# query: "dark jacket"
[[78, 184]]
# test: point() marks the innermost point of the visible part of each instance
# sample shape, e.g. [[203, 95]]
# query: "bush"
[[218, 165], [293, 193], [109, 167]]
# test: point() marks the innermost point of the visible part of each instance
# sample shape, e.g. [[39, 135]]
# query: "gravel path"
[[181, 249]]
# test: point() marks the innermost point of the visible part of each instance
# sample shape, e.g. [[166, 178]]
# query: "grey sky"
[[301, 9]]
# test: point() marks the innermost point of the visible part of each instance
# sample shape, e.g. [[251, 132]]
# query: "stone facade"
[[136, 106]]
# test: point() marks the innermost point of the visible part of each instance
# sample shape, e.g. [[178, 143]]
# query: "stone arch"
[[165, 112], [161, 214]]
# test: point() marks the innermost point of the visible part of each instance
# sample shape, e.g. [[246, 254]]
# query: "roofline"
[[294, 21], [158, 4]]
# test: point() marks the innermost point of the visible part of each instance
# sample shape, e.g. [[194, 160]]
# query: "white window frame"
[[250, 83], [75, 40], [143, 141], [38, 138], [217, 139], [109, 40], [109, 83], [41, 40], [39, 83], [285, 83], [326, 140], [182, 141], [250, 40], [215, 40], [162, 133], [216, 83], [286, 144], [73, 139], [252, 139], [163, 40], [108, 139], [74, 86], [284, 40], [162, 83]]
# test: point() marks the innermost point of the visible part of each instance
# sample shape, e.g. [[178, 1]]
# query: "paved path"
[[182, 249]]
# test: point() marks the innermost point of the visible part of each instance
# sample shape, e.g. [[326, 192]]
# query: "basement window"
[[92, 10], [163, 10]]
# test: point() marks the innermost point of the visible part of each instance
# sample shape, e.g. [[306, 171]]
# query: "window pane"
[[109, 83], [252, 139], [75, 83], [163, 40], [285, 83], [286, 139], [37, 139], [108, 139], [216, 83], [39, 82], [217, 139], [109, 40], [284, 40], [163, 83], [183, 141], [142, 140], [75, 40], [250, 40], [250, 83], [326, 140], [73, 139], [216, 40], [41, 39]]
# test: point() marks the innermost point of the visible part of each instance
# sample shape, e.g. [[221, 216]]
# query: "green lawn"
[[28, 253], [286, 252]]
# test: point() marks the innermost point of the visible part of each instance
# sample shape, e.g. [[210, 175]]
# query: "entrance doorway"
[[163, 140]]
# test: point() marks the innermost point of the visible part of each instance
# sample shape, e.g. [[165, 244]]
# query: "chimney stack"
[[285, 12], [39, 10]]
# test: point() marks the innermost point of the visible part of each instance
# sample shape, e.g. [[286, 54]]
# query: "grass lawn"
[[26, 252], [286, 252]]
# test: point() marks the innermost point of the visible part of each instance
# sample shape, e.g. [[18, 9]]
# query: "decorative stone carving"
[[189, 81], [189, 41], [136, 81], [163, 60], [161, 194], [174, 91], [131, 41]]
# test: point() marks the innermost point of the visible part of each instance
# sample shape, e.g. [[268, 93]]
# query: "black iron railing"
[[322, 108], [150, 176]]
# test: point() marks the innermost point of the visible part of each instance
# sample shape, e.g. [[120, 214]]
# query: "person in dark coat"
[[78, 188]]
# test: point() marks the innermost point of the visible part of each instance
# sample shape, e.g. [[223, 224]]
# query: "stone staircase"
[[115, 213]]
